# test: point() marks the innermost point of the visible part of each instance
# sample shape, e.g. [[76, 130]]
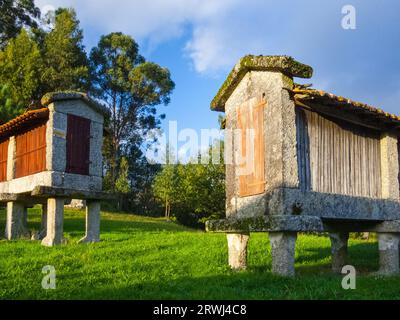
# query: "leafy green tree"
[[14, 15], [122, 183], [166, 183], [35, 63], [65, 60], [131, 87], [6, 106], [165, 187], [193, 193], [142, 200], [20, 70]]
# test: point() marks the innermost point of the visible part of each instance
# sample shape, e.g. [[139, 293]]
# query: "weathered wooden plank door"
[[78, 145], [251, 162], [3, 160], [31, 152]]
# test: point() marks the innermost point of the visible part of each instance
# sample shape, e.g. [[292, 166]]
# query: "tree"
[[6, 105], [142, 200], [165, 187], [14, 15], [131, 88], [35, 63], [122, 183], [193, 193], [66, 63], [20, 70], [166, 182]]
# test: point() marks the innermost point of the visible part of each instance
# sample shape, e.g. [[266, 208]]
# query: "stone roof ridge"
[[74, 95], [281, 63]]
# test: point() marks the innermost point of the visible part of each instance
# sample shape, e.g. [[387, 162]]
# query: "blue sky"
[[201, 40]]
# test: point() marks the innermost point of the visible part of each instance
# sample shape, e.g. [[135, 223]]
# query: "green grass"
[[147, 258]]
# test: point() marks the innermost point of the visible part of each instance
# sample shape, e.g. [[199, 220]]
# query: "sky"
[[200, 41]]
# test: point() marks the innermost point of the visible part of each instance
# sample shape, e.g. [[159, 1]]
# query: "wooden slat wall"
[[398, 150], [31, 152], [78, 145], [3, 160], [251, 117], [335, 157]]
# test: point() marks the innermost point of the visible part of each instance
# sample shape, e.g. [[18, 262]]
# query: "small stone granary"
[[316, 162], [49, 156]]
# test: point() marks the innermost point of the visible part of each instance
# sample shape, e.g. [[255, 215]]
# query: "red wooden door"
[[3, 160], [31, 152], [78, 145]]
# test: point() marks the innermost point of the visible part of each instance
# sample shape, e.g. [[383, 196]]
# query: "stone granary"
[[305, 161], [49, 156]]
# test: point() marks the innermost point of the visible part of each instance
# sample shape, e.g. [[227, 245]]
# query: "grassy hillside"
[[145, 258]]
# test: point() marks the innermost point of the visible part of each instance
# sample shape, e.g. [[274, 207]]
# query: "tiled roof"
[[307, 95], [27, 119]]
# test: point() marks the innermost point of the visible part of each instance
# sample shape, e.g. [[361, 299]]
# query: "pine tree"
[[20, 70], [6, 106], [66, 64], [14, 15]]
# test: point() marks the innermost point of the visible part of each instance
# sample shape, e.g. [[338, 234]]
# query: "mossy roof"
[[285, 64], [32, 117], [72, 95]]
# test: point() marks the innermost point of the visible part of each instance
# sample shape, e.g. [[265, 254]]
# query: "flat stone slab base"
[[40, 193], [290, 223]]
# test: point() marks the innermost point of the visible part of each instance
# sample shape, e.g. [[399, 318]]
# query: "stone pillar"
[[55, 222], [283, 245], [92, 223], [43, 227], [25, 218], [388, 253], [339, 242], [390, 167], [15, 225], [237, 250], [12, 149]]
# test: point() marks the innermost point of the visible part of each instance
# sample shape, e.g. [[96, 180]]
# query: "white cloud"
[[158, 21], [219, 32]]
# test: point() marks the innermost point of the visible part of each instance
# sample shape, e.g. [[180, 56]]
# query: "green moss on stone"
[[285, 64], [238, 225], [51, 97]]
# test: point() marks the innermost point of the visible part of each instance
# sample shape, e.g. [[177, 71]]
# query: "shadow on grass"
[[249, 286], [74, 223], [363, 256]]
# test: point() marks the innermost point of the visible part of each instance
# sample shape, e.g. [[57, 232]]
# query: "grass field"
[[146, 258]]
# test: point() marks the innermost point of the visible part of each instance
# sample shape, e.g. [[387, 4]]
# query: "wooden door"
[[30, 152], [251, 168], [78, 145], [3, 160]]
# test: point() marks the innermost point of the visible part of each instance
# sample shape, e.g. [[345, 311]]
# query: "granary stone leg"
[[339, 241], [283, 245], [43, 227], [25, 218], [15, 225], [55, 222], [237, 250], [92, 223], [388, 253]]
